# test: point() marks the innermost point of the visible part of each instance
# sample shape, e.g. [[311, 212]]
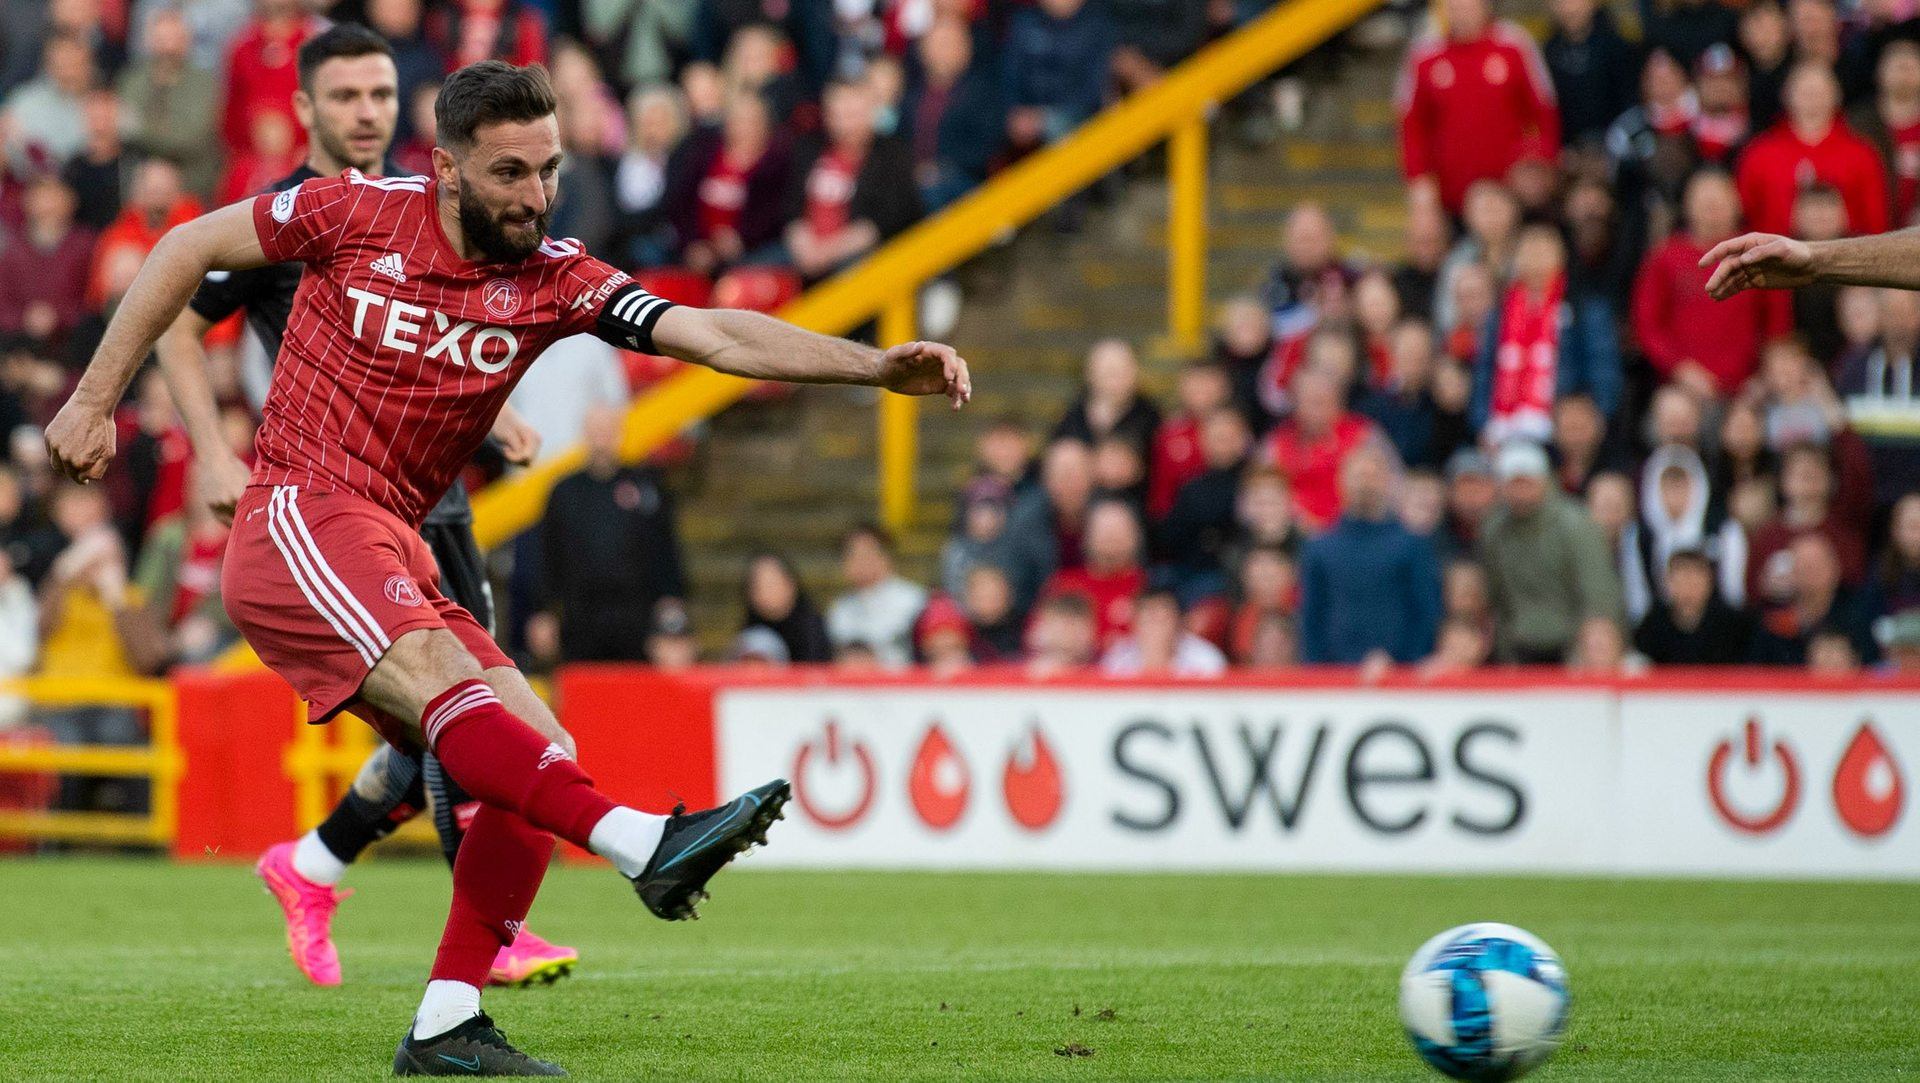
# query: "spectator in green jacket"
[[1547, 564]]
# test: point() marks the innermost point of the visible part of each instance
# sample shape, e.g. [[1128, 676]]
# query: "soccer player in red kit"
[[424, 300]]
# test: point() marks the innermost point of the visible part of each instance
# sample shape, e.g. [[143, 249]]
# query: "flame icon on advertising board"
[[1758, 823], [939, 783], [1034, 789], [1868, 791], [838, 756]]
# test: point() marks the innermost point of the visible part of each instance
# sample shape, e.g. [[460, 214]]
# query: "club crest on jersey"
[[401, 591], [500, 297]]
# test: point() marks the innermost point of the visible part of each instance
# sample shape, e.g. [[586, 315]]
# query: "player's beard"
[[339, 151], [484, 231]]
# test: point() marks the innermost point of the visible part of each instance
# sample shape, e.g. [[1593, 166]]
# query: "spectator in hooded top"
[[171, 104], [44, 265], [1708, 347], [1690, 624], [1815, 601], [1811, 142], [1203, 387], [1537, 353], [1473, 103], [953, 117], [726, 189], [1310, 447], [1113, 575], [1547, 564], [851, 189], [1592, 67], [1054, 69], [880, 606], [1878, 388], [1677, 512], [775, 601], [1111, 403], [1891, 123], [1367, 586]]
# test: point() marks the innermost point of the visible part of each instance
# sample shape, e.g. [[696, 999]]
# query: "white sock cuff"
[[627, 837], [446, 1005], [313, 860]]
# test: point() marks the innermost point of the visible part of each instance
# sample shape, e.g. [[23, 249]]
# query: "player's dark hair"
[[490, 92], [341, 41]]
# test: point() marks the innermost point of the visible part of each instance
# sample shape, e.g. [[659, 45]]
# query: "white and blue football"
[[1484, 1001]]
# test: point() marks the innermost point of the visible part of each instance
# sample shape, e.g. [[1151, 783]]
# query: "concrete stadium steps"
[[793, 474]]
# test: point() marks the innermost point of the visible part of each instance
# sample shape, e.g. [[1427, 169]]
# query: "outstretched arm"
[[763, 348], [80, 438], [1770, 261]]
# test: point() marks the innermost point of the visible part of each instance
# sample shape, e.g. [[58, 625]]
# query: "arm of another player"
[[1770, 261], [763, 348], [183, 361], [80, 439]]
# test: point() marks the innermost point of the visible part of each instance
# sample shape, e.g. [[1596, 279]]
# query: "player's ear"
[[446, 171], [303, 108]]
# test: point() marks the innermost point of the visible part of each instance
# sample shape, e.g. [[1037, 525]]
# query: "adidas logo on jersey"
[[391, 266]]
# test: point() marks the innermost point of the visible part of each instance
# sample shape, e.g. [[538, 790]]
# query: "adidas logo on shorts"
[[391, 266]]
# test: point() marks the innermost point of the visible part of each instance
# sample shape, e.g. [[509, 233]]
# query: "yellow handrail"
[[160, 761], [1176, 106]]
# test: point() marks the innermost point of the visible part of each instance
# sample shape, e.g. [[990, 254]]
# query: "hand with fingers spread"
[[1758, 261], [926, 368], [80, 441]]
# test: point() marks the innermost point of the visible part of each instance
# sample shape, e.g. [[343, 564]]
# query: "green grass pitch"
[[141, 969]]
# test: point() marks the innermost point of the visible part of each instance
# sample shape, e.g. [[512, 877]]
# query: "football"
[[1484, 1001]]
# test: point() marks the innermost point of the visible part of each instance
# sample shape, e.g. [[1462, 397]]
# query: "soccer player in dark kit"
[[423, 301], [348, 102]]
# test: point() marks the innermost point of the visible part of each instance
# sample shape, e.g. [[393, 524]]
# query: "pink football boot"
[[309, 910], [530, 959]]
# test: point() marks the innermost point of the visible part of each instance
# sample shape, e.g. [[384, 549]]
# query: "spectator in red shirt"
[[1811, 143], [469, 31], [1891, 122], [1473, 103], [1177, 459], [262, 72], [850, 190], [156, 203], [44, 264], [1310, 446], [726, 188], [1112, 576], [1708, 347]]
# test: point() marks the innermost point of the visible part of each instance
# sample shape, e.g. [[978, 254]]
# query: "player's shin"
[[501, 863], [505, 763]]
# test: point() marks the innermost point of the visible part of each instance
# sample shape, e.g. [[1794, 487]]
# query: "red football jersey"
[[399, 353]]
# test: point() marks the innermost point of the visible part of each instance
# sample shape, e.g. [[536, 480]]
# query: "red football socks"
[[501, 863], [506, 763]]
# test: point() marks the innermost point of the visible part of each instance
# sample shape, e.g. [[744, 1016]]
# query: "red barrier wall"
[[235, 798]]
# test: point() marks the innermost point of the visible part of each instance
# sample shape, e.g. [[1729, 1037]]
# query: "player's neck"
[[449, 212]]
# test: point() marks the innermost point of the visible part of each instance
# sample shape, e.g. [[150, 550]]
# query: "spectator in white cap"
[[1547, 565]]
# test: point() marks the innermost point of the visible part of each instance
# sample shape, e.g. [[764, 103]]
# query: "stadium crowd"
[[1533, 439]]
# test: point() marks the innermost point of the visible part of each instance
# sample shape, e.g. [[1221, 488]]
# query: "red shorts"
[[321, 584]]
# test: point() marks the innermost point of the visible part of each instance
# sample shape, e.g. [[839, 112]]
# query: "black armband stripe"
[[629, 315]]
